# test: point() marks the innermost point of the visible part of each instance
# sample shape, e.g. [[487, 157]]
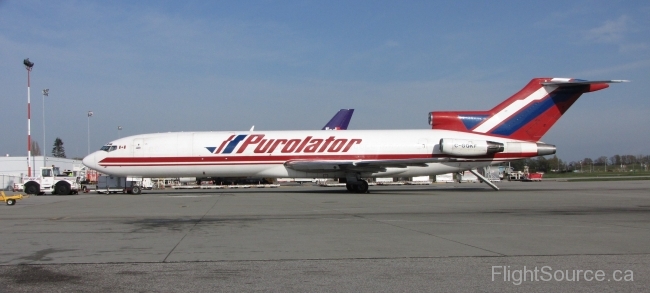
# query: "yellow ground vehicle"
[[10, 199]]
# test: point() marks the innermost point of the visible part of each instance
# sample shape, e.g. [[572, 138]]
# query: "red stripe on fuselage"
[[252, 160]]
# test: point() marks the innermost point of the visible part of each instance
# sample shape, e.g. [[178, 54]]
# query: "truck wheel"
[[11, 202], [32, 188], [62, 188], [136, 190]]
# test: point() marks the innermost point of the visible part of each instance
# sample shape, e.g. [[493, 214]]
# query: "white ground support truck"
[[53, 181]]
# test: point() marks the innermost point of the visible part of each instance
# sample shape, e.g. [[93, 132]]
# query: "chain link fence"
[[7, 182]]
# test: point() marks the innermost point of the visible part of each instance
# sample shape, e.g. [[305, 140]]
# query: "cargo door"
[[425, 146]]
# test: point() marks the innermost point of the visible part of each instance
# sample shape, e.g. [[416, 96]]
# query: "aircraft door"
[[425, 146], [138, 147]]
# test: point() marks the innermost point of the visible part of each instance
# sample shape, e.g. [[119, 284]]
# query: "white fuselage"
[[264, 153]]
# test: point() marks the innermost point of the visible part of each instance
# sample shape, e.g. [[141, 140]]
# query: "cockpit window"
[[108, 148]]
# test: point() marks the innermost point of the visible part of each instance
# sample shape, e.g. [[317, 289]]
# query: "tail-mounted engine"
[[464, 147]]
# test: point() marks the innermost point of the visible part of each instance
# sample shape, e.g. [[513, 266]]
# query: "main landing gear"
[[360, 186]]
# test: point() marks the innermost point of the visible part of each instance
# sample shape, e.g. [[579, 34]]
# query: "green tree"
[[58, 150], [543, 165], [518, 165], [35, 148]]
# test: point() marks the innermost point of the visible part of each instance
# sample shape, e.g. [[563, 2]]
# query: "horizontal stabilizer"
[[572, 82]]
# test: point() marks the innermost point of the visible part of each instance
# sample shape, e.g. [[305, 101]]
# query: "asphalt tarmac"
[[531, 236]]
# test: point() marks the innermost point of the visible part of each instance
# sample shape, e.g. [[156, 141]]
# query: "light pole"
[[119, 132], [28, 66], [45, 94], [90, 114]]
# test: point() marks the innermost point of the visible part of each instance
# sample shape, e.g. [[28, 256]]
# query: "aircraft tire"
[[362, 187], [350, 187]]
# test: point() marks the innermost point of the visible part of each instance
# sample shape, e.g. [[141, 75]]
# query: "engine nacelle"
[[465, 147]]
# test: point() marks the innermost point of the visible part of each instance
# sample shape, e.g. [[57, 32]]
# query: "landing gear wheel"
[[11, 202], [136, 190], [350, 187], [362, 187]]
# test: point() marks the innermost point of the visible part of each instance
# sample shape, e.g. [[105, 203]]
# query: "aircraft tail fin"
[[340, 121], [527, 115]]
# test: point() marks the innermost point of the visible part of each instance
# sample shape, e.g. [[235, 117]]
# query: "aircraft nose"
[[90, 161]]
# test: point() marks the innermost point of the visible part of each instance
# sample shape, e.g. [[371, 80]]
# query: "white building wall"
[[17, 166]]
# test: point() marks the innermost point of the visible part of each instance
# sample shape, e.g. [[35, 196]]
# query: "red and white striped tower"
[[28, 66]]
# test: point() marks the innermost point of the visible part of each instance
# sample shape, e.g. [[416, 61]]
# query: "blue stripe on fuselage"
[[233, 143], [532, 111]]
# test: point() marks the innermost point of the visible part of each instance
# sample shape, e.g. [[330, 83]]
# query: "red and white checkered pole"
[[28, 66], [29, 124]]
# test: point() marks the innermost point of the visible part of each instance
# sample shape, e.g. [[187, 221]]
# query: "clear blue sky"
[[159, 66]]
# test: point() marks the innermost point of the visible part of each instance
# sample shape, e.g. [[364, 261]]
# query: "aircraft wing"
[[360, 165]]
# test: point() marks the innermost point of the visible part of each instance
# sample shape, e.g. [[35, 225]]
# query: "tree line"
[[615, 163]]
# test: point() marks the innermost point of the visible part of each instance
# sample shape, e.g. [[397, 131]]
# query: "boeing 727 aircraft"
[[459, 142]]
